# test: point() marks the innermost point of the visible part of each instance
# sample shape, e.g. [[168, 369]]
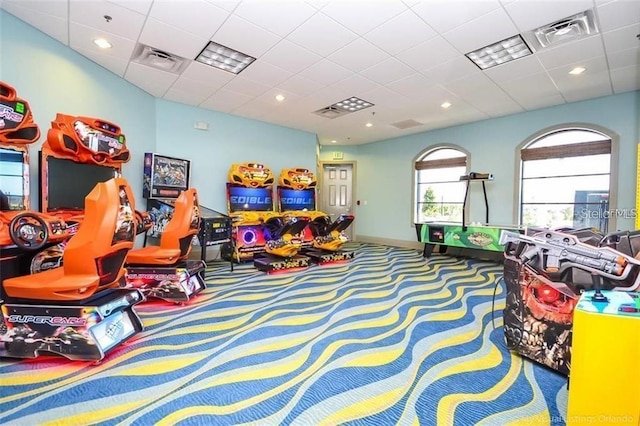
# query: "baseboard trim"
[[390, 242]]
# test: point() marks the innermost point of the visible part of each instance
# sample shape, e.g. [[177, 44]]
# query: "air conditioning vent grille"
[[344, 107], [159, 59], [572, 28]]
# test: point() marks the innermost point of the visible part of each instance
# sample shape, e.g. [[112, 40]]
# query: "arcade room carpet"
[[386, 339]]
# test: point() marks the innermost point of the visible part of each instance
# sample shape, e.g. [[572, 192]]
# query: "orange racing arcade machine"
[[258, 232], [322, 239]]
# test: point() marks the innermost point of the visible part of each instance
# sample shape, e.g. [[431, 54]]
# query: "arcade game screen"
[[297, 199], [165, 177], [249, 199], [68, 182], [12, 180]]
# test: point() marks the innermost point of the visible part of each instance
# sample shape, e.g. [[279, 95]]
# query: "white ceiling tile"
[[171, 39], [622, 39], [482, 93], [300, 85], [530, 86], [403, 32], [515, 69], [334, 36], [385, 98], [214, 77], [290, 57], [269, 98], [538, 102], [326, 72], [280, 20], [56, 8], [487, 29], [626, 79], [358, 55], [124, 23], [246, 87], [362, 17], [81, 37], [451, 70], [183, 97], [624, 58], [115, 65], [583, 86], [265, 73], [228, 5], [252, 109], [245, 37], [197, 17], [225, 100], [411, 86], [592, 65], [151, 80], [531, 14], [387, 71], [196, 88], [618, 14], [48, 24], [355, 84], [445, 15], [569, 53], [429, 54], [140, 6]]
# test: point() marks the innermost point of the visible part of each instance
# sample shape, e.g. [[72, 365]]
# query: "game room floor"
[[388, 338]]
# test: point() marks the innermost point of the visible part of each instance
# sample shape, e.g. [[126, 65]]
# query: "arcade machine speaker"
[[545, 275]]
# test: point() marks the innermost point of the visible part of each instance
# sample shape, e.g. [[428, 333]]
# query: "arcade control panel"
[[215, 227], [604, 382]]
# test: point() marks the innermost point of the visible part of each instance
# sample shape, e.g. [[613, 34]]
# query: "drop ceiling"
[[406, 57]]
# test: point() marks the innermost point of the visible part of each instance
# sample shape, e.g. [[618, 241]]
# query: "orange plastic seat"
[[175, 242], [94, 258]]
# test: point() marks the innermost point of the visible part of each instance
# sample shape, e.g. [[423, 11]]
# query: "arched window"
[[566, 180], [438, 190]]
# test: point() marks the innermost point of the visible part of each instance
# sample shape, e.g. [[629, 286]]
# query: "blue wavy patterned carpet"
[[386, 339]]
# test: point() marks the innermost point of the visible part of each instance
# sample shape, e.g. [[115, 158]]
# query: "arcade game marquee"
[[450, 234], [71, 311], [259, 233], [322, 240]]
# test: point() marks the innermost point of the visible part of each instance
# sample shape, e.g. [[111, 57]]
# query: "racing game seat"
[[175, 242], [93, 259]]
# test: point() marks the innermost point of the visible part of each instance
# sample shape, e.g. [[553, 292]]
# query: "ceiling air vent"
[[575, 27], [331, 112], [406, 124], [159, 59]]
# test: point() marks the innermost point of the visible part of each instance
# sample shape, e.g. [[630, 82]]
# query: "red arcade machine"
[[259, 233], [322, 239]]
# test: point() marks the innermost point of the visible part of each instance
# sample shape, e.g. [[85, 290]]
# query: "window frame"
[[414, 182], [535, 137]]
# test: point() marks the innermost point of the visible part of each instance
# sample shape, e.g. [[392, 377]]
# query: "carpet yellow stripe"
[[365, 407], [98, 415]]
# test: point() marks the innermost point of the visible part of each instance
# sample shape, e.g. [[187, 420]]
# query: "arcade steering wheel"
[[26, 234]]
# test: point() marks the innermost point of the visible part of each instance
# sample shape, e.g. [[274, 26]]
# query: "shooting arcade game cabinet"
[[22, 233], [259, 233], [163, 271], [545, 275], [484, 238], [322, 239]]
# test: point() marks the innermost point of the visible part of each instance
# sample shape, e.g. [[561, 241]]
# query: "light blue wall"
[[385, 168], [55, 79], [230, 139]]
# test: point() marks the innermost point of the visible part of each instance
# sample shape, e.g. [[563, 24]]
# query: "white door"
[[336, 192]]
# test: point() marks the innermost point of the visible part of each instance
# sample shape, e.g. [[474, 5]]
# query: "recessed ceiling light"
[[445, 105], [279, 98], [219, 56], [499, 53], [102, 43], [577, 70], [369, 124], [334, 141]]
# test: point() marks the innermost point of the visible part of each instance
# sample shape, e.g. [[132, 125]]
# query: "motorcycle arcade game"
[[75, 311], [163, 271], [545, 274], [322, 240], [258, 232]]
